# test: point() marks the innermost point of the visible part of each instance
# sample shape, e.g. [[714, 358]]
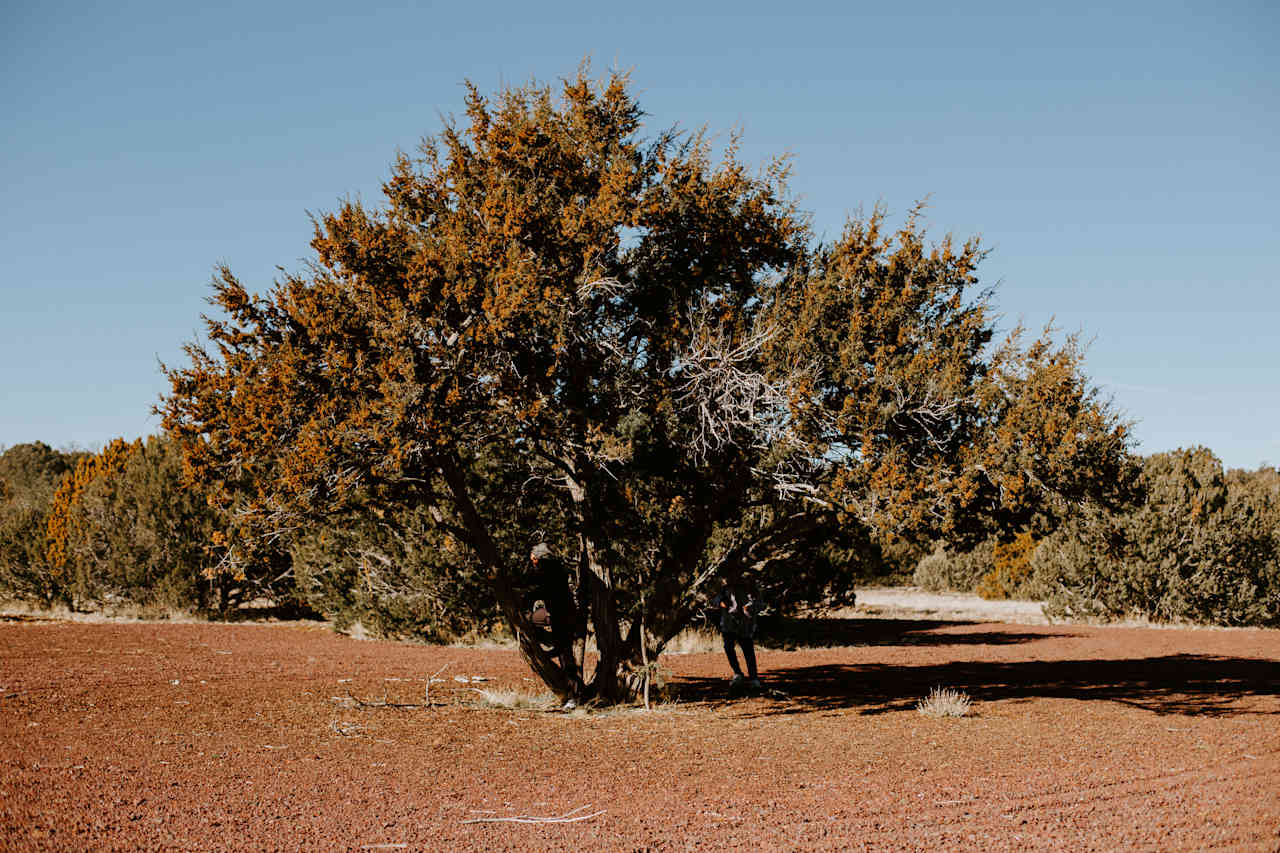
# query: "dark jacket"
[[737, 608]]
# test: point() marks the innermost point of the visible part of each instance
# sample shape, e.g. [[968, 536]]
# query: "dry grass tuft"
[[692, 641], [945, 702], [19, 611], [515, 700]]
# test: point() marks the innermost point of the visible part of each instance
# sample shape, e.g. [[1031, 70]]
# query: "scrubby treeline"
[[120, 528], [1197, 543], [89, 531]]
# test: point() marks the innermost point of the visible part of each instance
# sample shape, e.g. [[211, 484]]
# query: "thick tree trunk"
[[564, 684], [600, 588], [604, 618]]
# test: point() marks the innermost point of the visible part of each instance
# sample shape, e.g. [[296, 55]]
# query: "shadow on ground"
[[1185, 684], [787, 634]]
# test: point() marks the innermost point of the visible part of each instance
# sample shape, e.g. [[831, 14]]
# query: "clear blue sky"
[[1122, 163]]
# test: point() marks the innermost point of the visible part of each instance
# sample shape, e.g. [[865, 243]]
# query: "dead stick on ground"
[[571, 816]]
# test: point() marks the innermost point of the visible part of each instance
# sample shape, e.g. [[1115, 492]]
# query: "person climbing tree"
[[555, 610]]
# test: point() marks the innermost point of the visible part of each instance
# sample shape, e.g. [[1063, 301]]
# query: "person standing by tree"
[[737, 607]]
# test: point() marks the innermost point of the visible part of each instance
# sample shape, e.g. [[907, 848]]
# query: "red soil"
[[203, 736]]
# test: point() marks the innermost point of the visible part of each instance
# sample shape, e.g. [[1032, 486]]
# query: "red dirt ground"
[[211, 736]]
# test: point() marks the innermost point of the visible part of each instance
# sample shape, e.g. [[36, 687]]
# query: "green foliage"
[[35, 470], [822, 569], [122, 528], [395, 573], [1203, 546], [125, 531], [938, 427], [898, 558], [933, 572], [29, 476], [947, 570], [25, 572]]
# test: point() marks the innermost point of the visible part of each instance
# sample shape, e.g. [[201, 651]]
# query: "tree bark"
[[599, 583], [562, 683]]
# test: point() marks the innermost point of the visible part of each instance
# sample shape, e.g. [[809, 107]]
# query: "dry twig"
[[572, 816], [431, 680]]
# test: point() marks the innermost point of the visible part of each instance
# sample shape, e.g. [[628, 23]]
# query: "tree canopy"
[[659, 370]]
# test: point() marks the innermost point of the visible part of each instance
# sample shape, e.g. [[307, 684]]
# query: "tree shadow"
[[1192, 685], [288, 611], [788, 634]]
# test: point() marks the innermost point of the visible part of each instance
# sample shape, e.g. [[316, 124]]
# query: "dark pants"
[[748, 653], [562, 652]]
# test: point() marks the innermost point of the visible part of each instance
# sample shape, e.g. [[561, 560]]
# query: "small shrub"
[[950, 571], [659, 677], [933, 571], [515, 700], [694, 640], [945, 702]]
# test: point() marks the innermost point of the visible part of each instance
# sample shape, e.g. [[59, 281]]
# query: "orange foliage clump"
[[62, 522], [1011, 567]]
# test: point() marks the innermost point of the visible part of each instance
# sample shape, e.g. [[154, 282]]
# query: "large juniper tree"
[[640, 339]]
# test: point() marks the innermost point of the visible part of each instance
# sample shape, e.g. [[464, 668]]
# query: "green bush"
[[945, 570], [124, 530], [397, 575], [25, 573], [29, 476], [1203, 546], [933, 572]]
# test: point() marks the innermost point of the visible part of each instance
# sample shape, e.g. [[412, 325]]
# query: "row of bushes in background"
[[1199, 545], [119, 529], [116, 528]]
